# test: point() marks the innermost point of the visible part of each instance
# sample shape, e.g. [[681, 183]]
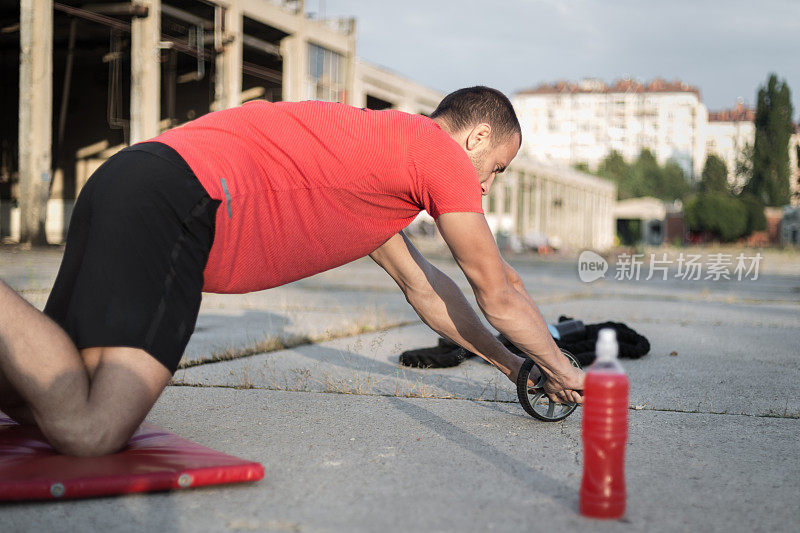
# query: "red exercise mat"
[[30, 469]]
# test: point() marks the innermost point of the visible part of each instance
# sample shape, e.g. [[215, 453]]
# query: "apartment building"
[[728, 134], [582, 122]]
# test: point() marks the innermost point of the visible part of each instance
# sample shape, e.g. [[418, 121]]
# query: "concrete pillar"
[[526, 204], [586, 209], [550, 220], [597, 222], [350, 68], [567, 220], [35, 116], [607, 236], [500, 203], [547, 202], [356, 95], [538, 207], [515, 186], [408, 102], [228, 78], [294, 50], [146, 73]]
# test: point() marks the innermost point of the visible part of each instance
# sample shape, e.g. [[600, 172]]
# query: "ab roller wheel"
[[535, 401]]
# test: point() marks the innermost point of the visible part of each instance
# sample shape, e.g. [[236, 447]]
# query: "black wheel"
[[535, 401]]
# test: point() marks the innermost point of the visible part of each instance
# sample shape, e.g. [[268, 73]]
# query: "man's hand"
[[505, 302], [566, 387]]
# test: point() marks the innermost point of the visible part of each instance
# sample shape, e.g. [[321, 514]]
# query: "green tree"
[[770, 180], [754, 209], [674, 185], [714, 177], [744, 168], [797, 159], [644, 178], [718, 214], [615, 168]]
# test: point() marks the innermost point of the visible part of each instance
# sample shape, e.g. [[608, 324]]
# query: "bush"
[[756, 221], [644, 177], [715, 175], [717, 213]]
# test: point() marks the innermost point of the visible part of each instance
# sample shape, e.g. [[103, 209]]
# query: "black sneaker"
[[436, 357]]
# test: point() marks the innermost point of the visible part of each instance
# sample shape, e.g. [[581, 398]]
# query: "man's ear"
[[479, 136]]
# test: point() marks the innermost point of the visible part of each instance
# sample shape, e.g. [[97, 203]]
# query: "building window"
[[326, 74]]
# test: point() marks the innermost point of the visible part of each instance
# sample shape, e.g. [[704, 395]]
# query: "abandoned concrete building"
[[81, 79]]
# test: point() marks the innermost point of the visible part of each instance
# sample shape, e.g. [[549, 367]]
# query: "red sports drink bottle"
[[605, 431]]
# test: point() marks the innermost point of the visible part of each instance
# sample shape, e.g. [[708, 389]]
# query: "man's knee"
[[125, 384], [84, 436]]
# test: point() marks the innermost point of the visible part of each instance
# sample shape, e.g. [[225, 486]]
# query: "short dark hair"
[[470, 106]]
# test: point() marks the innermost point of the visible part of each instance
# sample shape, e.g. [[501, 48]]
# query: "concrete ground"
[[304, 379]]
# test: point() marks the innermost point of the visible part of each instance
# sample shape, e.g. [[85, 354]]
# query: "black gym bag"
[[445, 354]]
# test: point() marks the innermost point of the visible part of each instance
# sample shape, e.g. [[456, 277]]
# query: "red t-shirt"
[[309, 186]]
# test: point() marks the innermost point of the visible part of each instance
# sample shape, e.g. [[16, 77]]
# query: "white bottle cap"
[[607, 347]]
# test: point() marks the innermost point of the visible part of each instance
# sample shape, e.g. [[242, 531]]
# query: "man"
[[251, 198]]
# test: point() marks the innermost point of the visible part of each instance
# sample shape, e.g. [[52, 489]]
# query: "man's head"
[[482, 120]]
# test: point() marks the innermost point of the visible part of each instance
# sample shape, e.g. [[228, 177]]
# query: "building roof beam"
[[123, 8], [262, 45], [185, 16]]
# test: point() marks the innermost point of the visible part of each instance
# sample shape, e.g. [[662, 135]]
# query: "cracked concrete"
[[351, 441], [363, 463], [712, 370]]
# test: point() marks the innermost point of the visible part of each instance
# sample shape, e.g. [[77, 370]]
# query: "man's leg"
[[131, 276], [79, 414]]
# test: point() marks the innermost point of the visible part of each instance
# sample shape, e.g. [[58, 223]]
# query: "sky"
[[726, 48]]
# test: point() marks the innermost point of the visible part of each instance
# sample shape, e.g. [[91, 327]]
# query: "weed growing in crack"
[[302, 376], [243, 379]]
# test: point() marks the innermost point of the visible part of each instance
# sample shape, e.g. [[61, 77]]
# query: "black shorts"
[[137, 245]]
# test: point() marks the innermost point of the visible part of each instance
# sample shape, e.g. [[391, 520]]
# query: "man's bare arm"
[[440, 303], [516, 282], [504, 301]]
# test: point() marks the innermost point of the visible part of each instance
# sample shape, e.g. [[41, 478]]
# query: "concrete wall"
[[571, 209]]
